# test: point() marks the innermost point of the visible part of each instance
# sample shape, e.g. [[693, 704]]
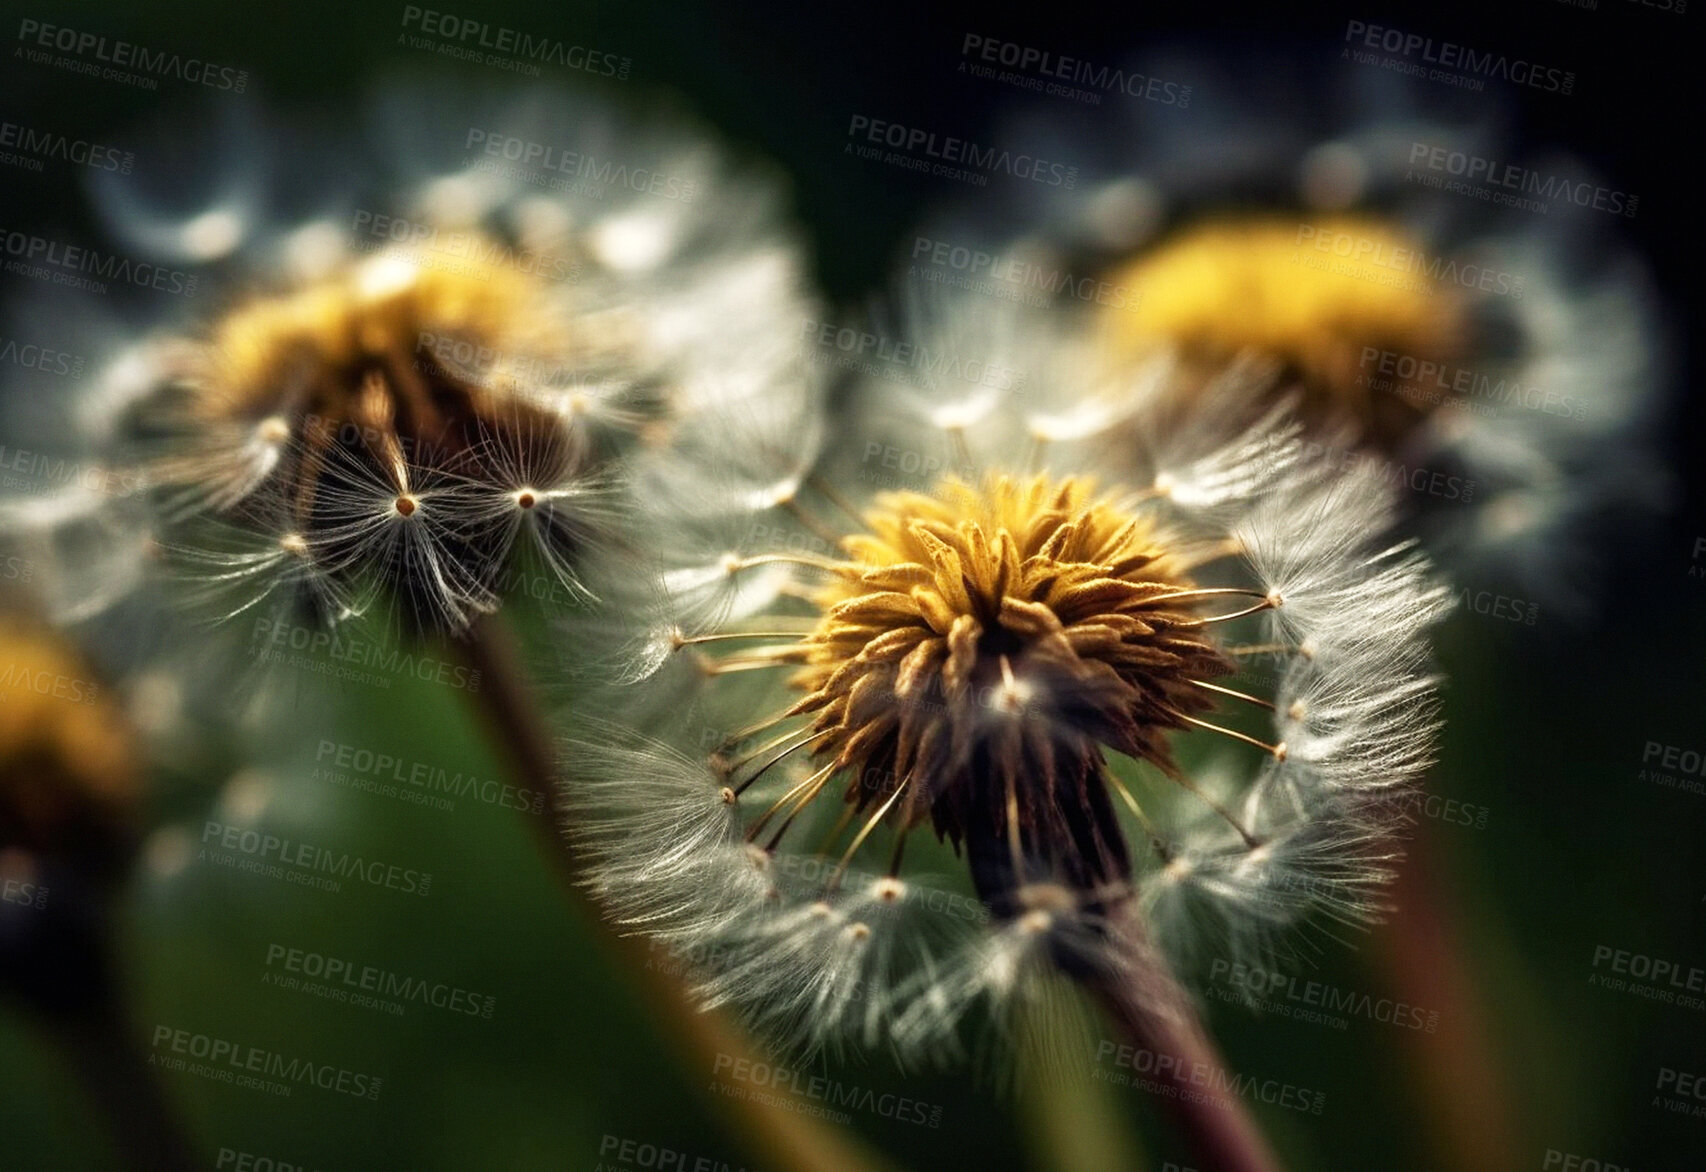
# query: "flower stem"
[[1146, 1002], [1458, 1067], [788, 1142]]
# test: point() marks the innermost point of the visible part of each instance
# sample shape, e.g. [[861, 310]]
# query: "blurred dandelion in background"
[[1504, 373], [411, 393]]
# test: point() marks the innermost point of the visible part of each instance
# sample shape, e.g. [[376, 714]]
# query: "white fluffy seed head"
[[1324, 711], [573, 324]]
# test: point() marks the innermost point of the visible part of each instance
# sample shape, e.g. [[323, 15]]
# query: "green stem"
[[788, 1142], [1157, 1015]]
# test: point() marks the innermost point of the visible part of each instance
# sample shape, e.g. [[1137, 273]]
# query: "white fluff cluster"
[[807, 916], [666, 291]]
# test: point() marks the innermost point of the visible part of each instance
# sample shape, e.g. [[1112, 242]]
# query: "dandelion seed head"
[[440, 396], [633, 242], [770, 495], [460, 199], [542, 221], [957, 416], [313, 250], [274, 430], [168, 853], [1050, 899], [1018, 659], [246, 796], [317, 350], [337, 403], [1124, 213]]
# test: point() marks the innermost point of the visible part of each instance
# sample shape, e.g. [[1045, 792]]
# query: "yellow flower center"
[[68, 778], [1346, 304], [985, 646], [393, 363], [402, 322], [393, 392]]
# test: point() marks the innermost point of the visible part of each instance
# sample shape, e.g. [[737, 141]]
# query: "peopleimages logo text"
[[1174, 1076], [224, 1058], [349, 977], [420, 775], [1511, 177], [376, 229], [1014, 273], [921, 146], [1359, 251], [825, 1090], [126, 55], [1393, 370], [38, 145], [472, 36], [1449, 55], [34, 357], [910, 357], [275, 642], [307, 858], [60, 260], [1059, 67], [599, 172]]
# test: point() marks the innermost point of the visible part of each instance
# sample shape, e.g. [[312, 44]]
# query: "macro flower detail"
[[406, 397], [1158, 707], [980, 628], [323, 420]]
